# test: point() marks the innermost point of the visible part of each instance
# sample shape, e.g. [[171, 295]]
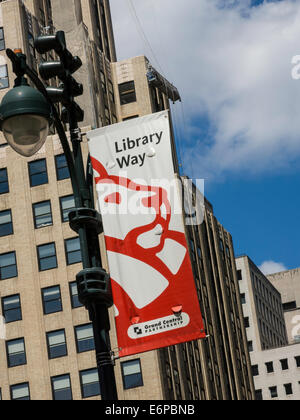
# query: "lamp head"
[[25, 115]]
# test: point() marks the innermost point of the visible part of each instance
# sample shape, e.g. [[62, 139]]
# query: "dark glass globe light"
[[25, 116], [26, 134]]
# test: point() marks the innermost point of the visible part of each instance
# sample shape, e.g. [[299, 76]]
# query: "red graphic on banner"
[[172, 315]]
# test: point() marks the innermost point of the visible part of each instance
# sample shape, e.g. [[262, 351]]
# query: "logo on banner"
[[158, 326]]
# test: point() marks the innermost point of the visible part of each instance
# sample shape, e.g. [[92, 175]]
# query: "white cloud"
[[231, 64], [271, 267]]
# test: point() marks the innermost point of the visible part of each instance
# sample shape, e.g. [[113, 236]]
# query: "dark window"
[[258, 395], [4, 82], [273, 392], [4, 187], [66, 205], [239, 274], [255, 371], [297, 358], [16, 355], [51, 300], [246, 321], [130, 118], [62, 170], [288, 389], [20, 392], [132, 374], [8, 266], [2, 40], [250, 346], [90, 386], [61, 388], [42, 214], [84, 338], [270, 367], [47, 257], [127, 93], [284, 364], [74, 296], [289, 306], [243, 298], [56, 342], [11, 307], [73, 252], [6, 226], [38, 172]]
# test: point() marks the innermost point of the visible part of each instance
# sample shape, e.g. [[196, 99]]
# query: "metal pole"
[[92, 258]]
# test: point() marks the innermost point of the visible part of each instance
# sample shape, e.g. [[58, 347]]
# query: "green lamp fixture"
[[24, 118]]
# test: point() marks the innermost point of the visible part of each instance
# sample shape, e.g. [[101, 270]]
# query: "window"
[[74, 296], [127, 93], [38, 172], [247, 323], [61, 388], [297, 358], [84, 338], [270, 367], [90, 386], [288, 389], [51, 300], [132, 374], [289, 306], [130, 118], [20, 392], [47, 257], [42, 214], [255, 371], [6, 226], [239, 274], [2, 40], [273, 392], [66, 205], [4, 187], [62, 170], [4, 82], [16, 355], [73, 252], [258, 395], [56, 343], [8, 266], [250, 346], [243, 298], [11, 308], [284, 364]]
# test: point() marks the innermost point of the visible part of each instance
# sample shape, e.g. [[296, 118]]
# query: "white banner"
[[150, 269]]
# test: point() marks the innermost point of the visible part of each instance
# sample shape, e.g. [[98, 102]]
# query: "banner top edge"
[[114, 127]]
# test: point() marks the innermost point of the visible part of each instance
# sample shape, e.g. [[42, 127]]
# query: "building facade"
[[275, 363], [288, 284], [48, 349]]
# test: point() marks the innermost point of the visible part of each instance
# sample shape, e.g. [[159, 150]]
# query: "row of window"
[[38, 174], [288, 388], [56, 345], [270, 366], [47, 258], [51, 299], [89, 382], [42, 215]]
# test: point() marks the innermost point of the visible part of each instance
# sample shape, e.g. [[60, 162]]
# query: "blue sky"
[[238, 126]]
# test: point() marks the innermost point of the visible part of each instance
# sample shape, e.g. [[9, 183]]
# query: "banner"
[[154, 292]]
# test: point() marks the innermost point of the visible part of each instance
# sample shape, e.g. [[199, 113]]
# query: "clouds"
[[232, 66], [271, 267]]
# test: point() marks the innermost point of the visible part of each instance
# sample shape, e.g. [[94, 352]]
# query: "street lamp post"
[[25, 114]]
